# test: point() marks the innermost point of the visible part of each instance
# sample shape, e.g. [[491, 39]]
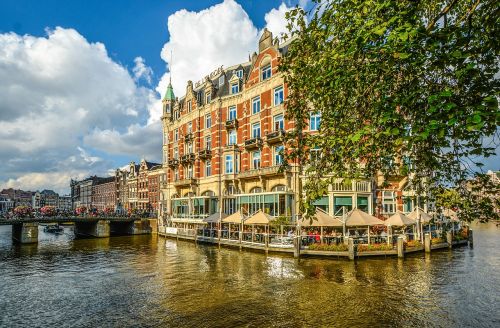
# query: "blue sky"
[[80, 80], [128, 28]]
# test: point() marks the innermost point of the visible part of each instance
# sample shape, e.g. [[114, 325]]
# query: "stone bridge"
[[25, 230]]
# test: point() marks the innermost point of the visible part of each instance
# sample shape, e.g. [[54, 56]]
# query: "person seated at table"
[[290, 233]]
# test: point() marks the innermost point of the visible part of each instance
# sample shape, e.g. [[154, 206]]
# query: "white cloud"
[[276, 21], [141, 71], [202, 41], [145, 141], [55, 91]]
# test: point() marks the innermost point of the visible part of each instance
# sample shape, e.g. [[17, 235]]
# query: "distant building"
[[6, 204], [64, 203], [81, 191], [104, 194], [121, 190], [18, 196]]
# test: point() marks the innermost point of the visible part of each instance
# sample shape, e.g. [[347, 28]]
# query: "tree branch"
[[441, 14]]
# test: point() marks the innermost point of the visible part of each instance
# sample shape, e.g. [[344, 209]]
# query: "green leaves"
[[388, 86]]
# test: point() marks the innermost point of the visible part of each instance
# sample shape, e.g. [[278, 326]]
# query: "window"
[[208, 98], [256, 159], [322, 203], [255, 105], [278, 157], [235, 88], [176, 153], [266, 72], [388, 202], [278, 96], [229, 164], [341, 202], [232, 113], [208, 142], [256, 130], [363, 203], [407, 205], [232, 137], [221, 80], [189, 148], [176, 174], [314, 121], [278, 122], [189, 106], [190, 127], [315, 154], [190, 171], [239, 73], [208, 121], [208, 168], [176, 135]]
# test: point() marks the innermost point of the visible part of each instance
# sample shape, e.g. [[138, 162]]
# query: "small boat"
[[53, 228]]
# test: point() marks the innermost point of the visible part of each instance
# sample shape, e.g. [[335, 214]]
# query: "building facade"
[[104, 194], [223, 146]]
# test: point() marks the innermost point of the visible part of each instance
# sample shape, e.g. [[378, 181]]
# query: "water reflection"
[[146, 281]]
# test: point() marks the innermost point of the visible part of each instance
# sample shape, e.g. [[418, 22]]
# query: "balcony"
[[163, 184], [185, 182], [253, 143], [188, 158], [232, 124], [188, 137], [173, 162], [205, 153], [263, 171], [275, 137], [229, 177]]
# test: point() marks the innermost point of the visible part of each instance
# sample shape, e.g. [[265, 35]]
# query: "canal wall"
[[298, 251]]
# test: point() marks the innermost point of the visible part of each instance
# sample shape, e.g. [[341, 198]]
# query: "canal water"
[[146, 281]]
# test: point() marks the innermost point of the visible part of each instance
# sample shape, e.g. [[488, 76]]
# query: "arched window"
[[208, 193], [189, 194], [256, 190], [279, 188], [265, 68]]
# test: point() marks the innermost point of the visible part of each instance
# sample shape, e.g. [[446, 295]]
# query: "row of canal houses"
[[222, 143]]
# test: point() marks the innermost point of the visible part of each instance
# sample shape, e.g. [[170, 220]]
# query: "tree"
[[404, 88]]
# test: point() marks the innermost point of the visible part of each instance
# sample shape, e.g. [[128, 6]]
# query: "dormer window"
[[221, 80], [189, 106], [208, 98], [266, 72], [239, 73], [235, 88]]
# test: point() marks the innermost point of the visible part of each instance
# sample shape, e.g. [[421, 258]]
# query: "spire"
[[169, 94]]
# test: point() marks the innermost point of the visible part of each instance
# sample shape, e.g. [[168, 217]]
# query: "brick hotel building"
[[222, 143]]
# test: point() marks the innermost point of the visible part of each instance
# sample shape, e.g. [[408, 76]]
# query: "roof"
[[426, 218], [321, 219], [357, 217], [169, 94], [259, 217], [214, 218], [236, 217], [399, 220]]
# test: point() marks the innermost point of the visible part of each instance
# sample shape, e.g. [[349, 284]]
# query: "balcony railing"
[[229, 176], [205, 153], [263, 171], [253, 143], [163, 184], [188, 158], [185, 182], [360, 186], [188, 137], [232, 124], [173, 162], [275, 137]]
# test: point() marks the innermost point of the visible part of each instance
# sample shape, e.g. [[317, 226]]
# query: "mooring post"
[[471, 239], [401, 247], [449, 239], [427, 242], [352, 249], [296, 249]]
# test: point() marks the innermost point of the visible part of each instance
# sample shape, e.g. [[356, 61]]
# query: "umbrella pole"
[[368, 235]]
